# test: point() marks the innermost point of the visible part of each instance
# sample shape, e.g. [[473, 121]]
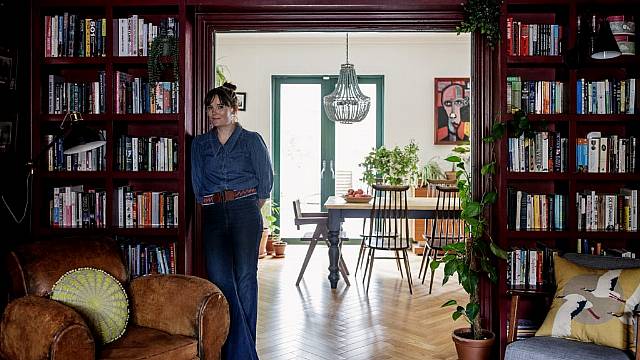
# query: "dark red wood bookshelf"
[[570, 124], [176, 125]]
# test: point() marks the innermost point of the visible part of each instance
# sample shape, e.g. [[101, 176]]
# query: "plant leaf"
[[449, 303], [489, 168], [453, 159], [490, 197], [472, 311], [498, 251]]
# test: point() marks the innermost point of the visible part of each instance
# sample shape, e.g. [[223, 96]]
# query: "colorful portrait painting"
[[452, 110]]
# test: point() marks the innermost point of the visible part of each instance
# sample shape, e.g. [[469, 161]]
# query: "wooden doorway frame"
[[403, 15]]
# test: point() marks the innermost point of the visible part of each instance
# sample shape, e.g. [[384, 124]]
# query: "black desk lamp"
[[604, 45], [76, 138]]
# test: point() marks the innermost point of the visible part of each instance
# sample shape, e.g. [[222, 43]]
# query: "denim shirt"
[[241, 163]]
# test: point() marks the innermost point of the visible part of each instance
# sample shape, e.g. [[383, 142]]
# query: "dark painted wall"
[[14, 109]]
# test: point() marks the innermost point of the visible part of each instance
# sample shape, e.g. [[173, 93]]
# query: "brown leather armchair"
[[171, 316]]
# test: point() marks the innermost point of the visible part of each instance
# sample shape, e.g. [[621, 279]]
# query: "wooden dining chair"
[[388, 229], [446, 228], [320, 220]]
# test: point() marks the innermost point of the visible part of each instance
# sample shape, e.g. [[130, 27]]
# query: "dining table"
[[339, 209]]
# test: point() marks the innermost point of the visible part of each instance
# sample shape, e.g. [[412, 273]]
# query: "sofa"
[[552, 348], [170, 316]]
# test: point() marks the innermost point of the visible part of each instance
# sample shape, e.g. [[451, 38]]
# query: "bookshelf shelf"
[[117, 82], [536, 61], [623, 177], [609, 235], [528, 176], [537, 234], [550, 118], [146, 117], [146, 175]]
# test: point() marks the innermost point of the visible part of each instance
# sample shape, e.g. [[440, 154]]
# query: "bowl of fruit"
[[357, 196]]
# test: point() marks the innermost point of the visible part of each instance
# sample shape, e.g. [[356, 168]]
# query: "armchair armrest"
[[183, 305], [51, 330]]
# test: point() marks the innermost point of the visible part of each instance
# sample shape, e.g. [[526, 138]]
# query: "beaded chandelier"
[[347, 104]]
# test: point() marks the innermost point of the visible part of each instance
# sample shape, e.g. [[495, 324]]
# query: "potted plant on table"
[[397, 166]]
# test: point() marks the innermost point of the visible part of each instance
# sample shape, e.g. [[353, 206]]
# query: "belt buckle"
[[228, 195]]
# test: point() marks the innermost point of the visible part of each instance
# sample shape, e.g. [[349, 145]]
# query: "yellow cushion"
[[593, 305], [98, 297]]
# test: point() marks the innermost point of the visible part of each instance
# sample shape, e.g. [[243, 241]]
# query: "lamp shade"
[[82, 138], [605, 45]]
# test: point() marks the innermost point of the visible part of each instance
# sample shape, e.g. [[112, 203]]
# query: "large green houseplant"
[[475, 257], [397, 166], [482, 16]]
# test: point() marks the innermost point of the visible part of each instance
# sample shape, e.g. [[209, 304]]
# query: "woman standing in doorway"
[[232, 178]]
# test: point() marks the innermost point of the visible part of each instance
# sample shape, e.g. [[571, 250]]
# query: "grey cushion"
[[602, 262], [550, 348]]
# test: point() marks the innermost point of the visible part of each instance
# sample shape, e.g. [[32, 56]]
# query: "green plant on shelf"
[[482, 16], [163, 45]]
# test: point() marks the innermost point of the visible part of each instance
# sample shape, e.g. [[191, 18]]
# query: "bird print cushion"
[[593, 305], [98, 297]]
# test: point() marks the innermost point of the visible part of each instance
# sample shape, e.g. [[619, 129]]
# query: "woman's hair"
[[225, 93]]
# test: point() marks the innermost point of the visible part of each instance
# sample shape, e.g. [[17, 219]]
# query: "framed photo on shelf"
[[8, 65], [452, 114], [242, 101]]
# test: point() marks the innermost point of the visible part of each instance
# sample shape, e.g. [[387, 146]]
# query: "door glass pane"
[[353, 143], [299, 152]]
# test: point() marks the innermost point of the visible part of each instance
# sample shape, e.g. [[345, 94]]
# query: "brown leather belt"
[[227, 195]]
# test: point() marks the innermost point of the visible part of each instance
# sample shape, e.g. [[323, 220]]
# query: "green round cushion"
[[97, 296]]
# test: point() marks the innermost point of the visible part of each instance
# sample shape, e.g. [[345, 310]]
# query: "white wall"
[[408, 61]]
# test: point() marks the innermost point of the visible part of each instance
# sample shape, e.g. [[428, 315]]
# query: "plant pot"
[[451, 175], [262, 250], [269, 245], [470, 349], [278, 248]]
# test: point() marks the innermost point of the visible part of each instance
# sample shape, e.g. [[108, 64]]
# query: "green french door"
[[314, 157]]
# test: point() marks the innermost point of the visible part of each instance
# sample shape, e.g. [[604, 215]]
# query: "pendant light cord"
[[347, 48]]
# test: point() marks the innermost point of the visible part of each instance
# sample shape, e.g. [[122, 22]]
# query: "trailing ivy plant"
[[482, 16], [475, 257], [161, 45]]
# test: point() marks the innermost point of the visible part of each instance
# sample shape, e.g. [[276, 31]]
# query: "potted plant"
[[482, 16], [397, 166], [270, 212], [474, 258], [430, 171], [162, 46]]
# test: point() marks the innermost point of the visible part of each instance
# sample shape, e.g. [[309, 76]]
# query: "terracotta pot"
[[451, 175], [269, 245], [262, 250], [278, 247], [470, 349]]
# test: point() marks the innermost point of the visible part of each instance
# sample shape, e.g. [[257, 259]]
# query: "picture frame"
[[242, 101], [452, 112], [8, 68]]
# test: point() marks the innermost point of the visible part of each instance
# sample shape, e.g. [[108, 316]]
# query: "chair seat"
[[145, 343], [560, 349]]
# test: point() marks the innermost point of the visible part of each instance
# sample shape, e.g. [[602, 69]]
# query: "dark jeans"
[[231, 232]]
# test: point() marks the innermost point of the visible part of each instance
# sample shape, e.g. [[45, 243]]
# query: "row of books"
[[139, 209], [70, 35], [73, 207], [530, 267], [146, 154], [609, 96], [136, 95], [585, 246], [535, 211], [91, 160], [612, 154], [533, 39], [534, 97], [602, 212], [133, 37], [544, 151], [142, 259], [81, 97]]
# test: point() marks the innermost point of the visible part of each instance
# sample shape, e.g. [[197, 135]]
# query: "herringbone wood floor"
[[313, 322]]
